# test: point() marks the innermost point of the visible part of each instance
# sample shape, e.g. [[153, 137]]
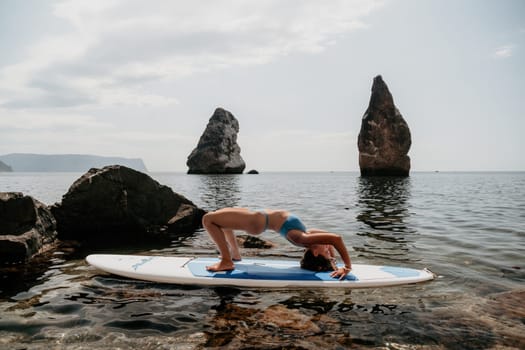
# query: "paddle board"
[[264, 273]]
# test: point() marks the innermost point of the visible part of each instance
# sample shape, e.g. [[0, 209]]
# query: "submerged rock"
[[273, 327], [27, 227], [248, 241], [117, 203], [282, 317], [217, 151], [384, 139]]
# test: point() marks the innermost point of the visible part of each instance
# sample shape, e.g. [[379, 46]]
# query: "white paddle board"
[[264, 273]]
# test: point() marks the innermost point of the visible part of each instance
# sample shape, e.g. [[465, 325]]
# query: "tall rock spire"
[[384, 139], [217, 151]]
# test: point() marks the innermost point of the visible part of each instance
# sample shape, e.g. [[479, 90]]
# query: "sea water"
[[468, 228]]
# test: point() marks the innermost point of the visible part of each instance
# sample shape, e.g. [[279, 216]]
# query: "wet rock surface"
[[492, 322], [276, 327], [217, 151], [27, 227], [247, 241], [117, 203], [384, 139]]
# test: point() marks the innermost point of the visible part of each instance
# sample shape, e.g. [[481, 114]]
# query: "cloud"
[[66, 132], [18, 120], [115, 49], [504, 51]]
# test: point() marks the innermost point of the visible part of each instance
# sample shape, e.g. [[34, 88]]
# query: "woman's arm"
[[322, 237], [341, 249]]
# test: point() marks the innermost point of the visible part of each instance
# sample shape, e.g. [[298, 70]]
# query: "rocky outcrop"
[[217, 151], [384, 139], [119, 204], [4, 167], [26, 227]]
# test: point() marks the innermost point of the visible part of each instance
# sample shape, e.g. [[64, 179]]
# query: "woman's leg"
[[232, 242], [219, 237], [220, 225]]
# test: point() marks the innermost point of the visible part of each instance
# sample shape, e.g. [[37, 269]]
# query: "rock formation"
[[26, 227], [119, 204], [217, 151], [384, 138]]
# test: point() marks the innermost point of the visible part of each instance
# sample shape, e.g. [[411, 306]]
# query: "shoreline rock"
[[27, 227], [105, 206], [119, 204], [384, 139]]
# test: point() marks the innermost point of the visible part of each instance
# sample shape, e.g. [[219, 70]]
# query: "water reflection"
[[383, 209], [219, 191]]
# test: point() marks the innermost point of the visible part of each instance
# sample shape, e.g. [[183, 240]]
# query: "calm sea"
[[468, 228]]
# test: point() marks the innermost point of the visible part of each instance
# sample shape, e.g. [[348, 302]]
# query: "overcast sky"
[[142, 78]]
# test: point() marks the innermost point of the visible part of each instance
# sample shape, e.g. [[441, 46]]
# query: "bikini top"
[[292, 222]]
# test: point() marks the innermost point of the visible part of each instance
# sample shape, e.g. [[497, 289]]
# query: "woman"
[[319, 245]]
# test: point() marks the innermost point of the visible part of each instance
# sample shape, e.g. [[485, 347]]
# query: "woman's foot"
[[221, 266]]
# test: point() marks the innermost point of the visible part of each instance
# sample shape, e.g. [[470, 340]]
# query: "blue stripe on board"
[[400, 271], [261, 271]]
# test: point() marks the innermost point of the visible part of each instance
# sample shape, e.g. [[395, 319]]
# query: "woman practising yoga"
[[319, 254]]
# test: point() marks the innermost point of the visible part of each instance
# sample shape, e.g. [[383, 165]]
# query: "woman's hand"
[[341, 272]]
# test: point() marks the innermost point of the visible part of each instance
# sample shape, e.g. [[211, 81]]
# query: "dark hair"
[[315, 263]]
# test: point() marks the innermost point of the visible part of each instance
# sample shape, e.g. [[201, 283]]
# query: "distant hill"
[[65, 162], [4, 167]]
